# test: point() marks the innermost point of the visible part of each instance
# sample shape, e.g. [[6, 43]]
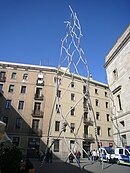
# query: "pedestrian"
[[98, 154], [94, 156], [47, 156], [22, 167], [42, 155], [50, 156], [71, 158], [78, 154], [29, 168]]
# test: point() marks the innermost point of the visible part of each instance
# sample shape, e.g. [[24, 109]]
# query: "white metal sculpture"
[[72, 61]]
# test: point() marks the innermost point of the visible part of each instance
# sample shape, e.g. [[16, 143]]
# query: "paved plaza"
[[58, 166]]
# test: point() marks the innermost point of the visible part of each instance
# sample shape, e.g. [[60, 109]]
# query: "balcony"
[[2, 79], [38, 114], [88, 137], [88, 121], [34, 131], [38, 97], [40, 83], [85, 107]]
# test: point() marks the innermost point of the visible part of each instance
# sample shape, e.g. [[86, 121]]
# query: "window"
[[2, 75], [96, 91], [97, 115], [106, 94], [57, 80], [72, 85], [38, 92], [85, 102], [107, 104], [15, 141], [109, 131], [59, 93], [11, 88], [85, 115], [57, 125], [72, 142], [37, 107], [56, 145], [124, 139], [18, 123], [122, 123], [13, 76], [1, 87], [97, 102], [35, 124], [58, 108], [5, 120], [21, 104], [127, 153], [8, 104], [72, 127], [115, 74], [23, 89], [84, 89], [108, 117], [72, 96], [120, 151], [72, 111], [119, 102], [25, 77], [40, 81], [86, 130], [99, 131]]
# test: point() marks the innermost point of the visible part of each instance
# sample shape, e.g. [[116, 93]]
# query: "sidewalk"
[[59, 166]]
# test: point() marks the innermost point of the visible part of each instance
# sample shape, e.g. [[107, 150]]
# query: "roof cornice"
[[120, 44]]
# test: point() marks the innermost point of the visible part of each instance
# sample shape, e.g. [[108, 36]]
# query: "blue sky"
[[31, 30]]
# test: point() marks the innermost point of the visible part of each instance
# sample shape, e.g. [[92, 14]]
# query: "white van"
[[107, 154], [122, 155]]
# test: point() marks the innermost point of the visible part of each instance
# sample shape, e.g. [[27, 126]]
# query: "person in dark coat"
[[28, 165]]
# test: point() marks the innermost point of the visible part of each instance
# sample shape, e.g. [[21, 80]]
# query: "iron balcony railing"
[[88, 121], [40, 83], [35, 131], [38, 97], [36, 113], [88, 137]]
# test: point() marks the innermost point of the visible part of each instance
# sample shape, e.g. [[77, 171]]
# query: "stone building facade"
[[117, 66], [28, 106]]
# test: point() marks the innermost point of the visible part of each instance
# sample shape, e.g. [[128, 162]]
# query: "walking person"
[[47, 156], [27, 167], [50, 156], [94, 156], [78, 155], [42, 155], [71, 158]]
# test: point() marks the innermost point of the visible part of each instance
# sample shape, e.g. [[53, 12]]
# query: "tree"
[[10, 158]]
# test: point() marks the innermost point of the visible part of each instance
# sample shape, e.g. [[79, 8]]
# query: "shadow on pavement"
[[58, 166]]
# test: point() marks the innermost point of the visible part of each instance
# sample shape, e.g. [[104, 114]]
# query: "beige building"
[[117, 66], [35, 104]]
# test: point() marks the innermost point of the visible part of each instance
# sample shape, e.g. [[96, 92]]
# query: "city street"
[[59, 166]]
